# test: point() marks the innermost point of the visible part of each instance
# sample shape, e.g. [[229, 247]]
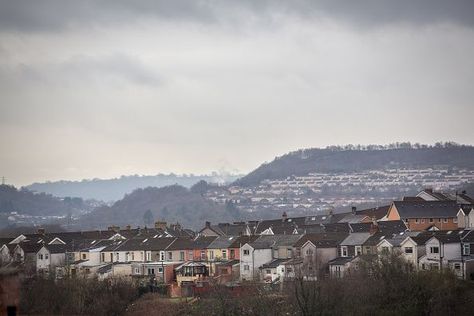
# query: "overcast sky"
[[104, 88]]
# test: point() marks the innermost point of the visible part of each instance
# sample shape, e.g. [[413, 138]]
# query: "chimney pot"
[[354, 210]]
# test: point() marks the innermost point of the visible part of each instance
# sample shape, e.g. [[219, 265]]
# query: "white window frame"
[[344, 251]]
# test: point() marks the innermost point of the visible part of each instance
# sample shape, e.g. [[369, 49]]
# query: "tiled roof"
[[426, 209]]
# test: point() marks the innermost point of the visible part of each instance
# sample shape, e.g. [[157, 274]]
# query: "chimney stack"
[[41, 231], [284, 216], [208, 224], [374, 227], [128, 227], [354, 210]]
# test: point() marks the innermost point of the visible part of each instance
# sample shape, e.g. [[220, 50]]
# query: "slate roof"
[[30, 247], [468, 237], [180, 243], [164, 243], [221, 242], [278, 240], [242, 240], [56, 248], [377, 212], [353, 218], [426, 209], [322, 240], [337, 227], [202, 242], [228, 229], [387, 227], [355, 239]]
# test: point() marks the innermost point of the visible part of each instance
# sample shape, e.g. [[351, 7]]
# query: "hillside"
[[115, 189], [356, 158], [37, 204], [172, 204]]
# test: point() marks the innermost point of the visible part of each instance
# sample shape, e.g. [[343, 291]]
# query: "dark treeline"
[[353, 158], [27, 202]]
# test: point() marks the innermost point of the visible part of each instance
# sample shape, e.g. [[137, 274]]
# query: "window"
[[162, 256], [160, 270], [358, 250], [417, 221], [455, 220], [368, 251], [116, 256], [434, 266], [466, 249], [232, 253], [133, 256], [246, 267], [190, 255], [422, 220], [170, 255], [289, 253], [431, 220], [309, 252], [137, 271], [111, 257], [288, 270], [246, 252], [211, 255], [46, 256], [181, 256], [445, 220], [224, 254], [434, 249], [103, 256], [148, 256], [84, 256], [385, 249], [409, 250], [203, 254], [344, 251], [40, 257], [151, 271], [268, 271], [439, 220], [457, 266]]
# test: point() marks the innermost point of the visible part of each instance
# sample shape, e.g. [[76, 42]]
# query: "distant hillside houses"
[[320, 191], [431, 231]]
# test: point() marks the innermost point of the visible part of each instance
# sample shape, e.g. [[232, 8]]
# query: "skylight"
[[145, 240], [449, 232]]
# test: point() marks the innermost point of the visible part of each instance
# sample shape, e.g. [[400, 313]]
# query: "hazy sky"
[[104, 88]]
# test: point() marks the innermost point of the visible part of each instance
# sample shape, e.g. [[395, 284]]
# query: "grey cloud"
[[54, 15], [83, 68]]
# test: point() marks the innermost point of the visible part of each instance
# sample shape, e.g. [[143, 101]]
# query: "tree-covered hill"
[[115, 189], [172, 204], [358, 158], [38, 204]]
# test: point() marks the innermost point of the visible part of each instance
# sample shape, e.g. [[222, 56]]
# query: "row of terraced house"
[[432, 230]]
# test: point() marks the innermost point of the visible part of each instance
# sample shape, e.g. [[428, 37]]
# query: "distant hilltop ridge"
[[115, 189], [356, 158]]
